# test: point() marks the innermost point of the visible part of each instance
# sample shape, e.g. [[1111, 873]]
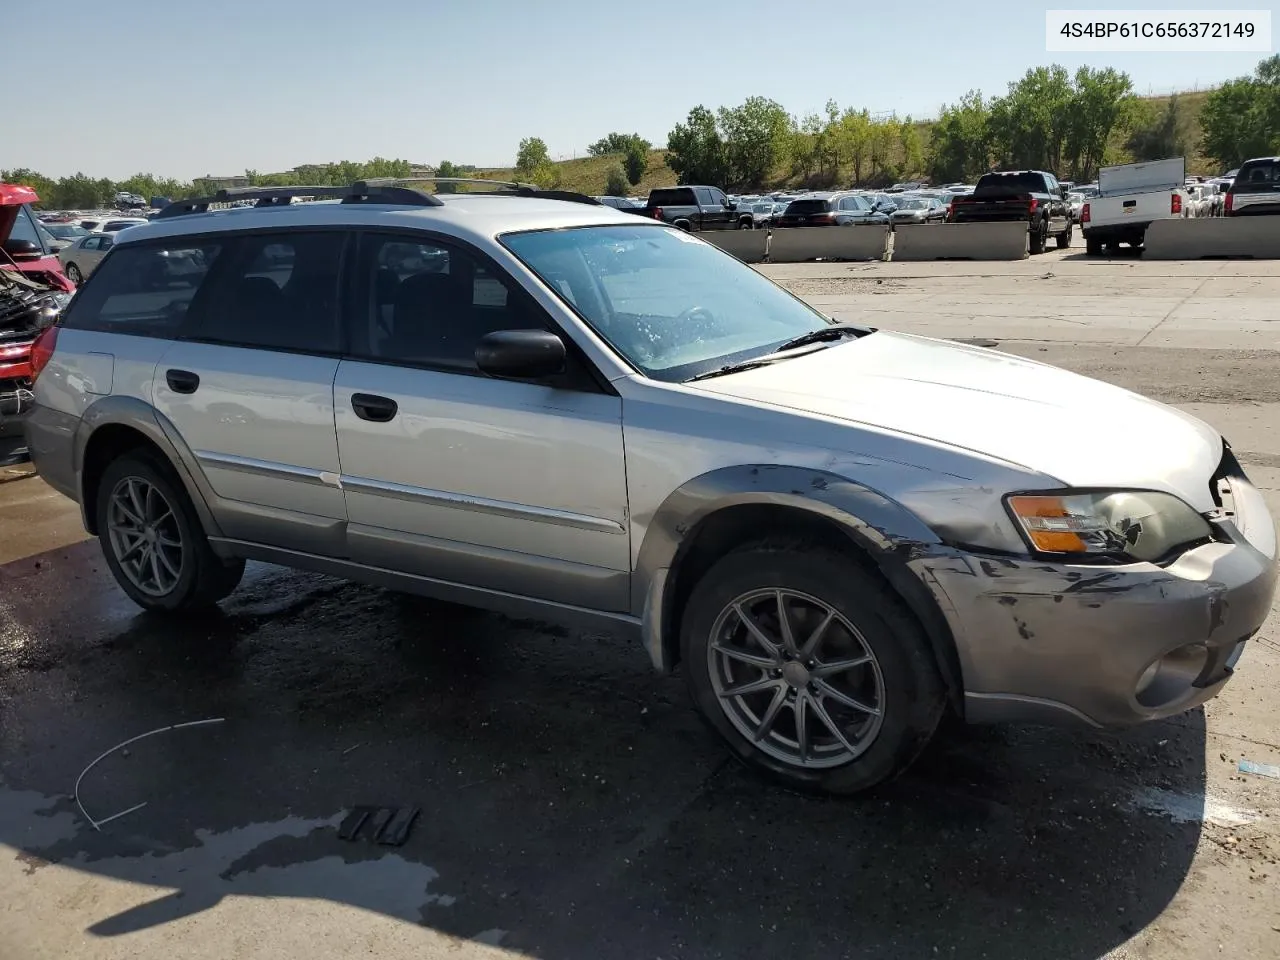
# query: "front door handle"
[[371, 407], [182, 381]]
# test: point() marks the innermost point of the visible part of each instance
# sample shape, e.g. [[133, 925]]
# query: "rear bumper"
[[51, 445], [1044, 642], [1125, 232]]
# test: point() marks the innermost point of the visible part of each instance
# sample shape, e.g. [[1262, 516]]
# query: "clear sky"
[[180, 88]]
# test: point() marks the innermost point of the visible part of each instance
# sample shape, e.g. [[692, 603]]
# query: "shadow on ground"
[[572, 804]]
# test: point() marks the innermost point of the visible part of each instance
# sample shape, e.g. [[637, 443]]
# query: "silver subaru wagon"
[[531, 402]]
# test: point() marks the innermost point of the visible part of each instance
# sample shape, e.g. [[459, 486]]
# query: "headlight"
[[1122, 525]]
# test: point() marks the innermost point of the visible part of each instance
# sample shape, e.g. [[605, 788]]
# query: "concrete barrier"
[[746, 245], [797, 244], [960, 241], [1213, 237]]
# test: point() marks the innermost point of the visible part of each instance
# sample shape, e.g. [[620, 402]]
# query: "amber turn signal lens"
[[1048, 523]]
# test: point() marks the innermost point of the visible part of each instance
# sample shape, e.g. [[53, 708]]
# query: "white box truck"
[[1130, 197]]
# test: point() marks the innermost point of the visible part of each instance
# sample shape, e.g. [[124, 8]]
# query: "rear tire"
[[74, 274], [1092, 247], [864, 698], [1039, 237], [153, 541]]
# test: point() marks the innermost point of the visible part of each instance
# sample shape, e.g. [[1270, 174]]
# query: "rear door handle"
[[371, 407], [182, 381]]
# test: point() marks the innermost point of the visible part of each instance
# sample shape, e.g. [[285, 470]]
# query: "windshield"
[[913, 204], [671, 304], [66, 231]]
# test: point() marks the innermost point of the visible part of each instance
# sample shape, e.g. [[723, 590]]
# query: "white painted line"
[[1193, 808]]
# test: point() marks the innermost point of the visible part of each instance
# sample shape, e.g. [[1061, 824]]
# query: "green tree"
[[1101, 102], [618, 143], [1157, 135], [447, 169], [615, 183], [804, 145], [912, 148], [533, 163], [959, 145], [635, 160], [696, 151], [756, 139], [45, 188], [1028, 125], [1241, 119]]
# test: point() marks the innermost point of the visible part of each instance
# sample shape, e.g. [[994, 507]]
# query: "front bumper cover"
[[1040, 641]]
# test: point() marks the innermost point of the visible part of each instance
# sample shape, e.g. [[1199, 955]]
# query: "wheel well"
[[107, 443], [733, 527]]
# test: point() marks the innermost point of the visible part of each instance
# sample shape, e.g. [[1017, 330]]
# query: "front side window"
[[671, 304], [24, 228], [279, 292], [423, 303], [144, 290]]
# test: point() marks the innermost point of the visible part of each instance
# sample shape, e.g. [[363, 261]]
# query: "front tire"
[[809, 668], [74, 274], [153, 541]]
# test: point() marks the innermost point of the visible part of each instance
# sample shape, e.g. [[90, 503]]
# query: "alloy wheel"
[[796, 678], [145, 536]]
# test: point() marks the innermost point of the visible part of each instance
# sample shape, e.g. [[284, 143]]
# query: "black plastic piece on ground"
[[396, 832], [378, 821], [353, 821]]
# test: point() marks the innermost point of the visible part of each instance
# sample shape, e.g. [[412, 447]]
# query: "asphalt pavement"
[[572, 805]]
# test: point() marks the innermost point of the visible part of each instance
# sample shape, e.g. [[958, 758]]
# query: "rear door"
[[449, 474], [250, 387]]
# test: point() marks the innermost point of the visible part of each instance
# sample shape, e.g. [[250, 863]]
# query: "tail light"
[[1032, 205], [951, 210], [1175, 203], [1227, 205], [657, 213], [42, 350], [824, 218], [1084, 214]]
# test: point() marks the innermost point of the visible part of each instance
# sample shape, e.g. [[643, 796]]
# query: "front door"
[[449, 474], [250, 390]]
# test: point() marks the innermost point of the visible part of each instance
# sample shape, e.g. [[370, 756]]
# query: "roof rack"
[[380, 190], [361, 191], [511, 186]]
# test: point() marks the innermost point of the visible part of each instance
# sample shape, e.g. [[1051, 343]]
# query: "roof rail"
[[512, 186], [358, 192]]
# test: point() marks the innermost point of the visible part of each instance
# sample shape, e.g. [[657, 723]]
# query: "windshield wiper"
[[736, 367], [833, 332]]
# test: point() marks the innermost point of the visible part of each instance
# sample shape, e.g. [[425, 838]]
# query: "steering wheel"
[[698, 311]]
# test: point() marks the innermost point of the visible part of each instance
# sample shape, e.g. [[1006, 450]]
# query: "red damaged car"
[[33, 290]]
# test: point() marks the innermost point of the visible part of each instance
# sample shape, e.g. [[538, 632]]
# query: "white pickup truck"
[[1130, 197]]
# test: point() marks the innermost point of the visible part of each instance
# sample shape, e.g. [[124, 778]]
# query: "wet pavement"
[[572, 804]]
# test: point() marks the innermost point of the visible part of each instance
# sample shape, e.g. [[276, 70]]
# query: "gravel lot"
[[573, 806]]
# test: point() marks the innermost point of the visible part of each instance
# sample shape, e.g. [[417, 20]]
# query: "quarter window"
[[142, 290]]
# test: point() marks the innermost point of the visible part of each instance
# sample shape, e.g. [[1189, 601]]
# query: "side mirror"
[[731, 204], [19, 249], [521, 354]]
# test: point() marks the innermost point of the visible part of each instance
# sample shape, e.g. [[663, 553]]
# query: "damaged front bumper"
[[1107, 645]]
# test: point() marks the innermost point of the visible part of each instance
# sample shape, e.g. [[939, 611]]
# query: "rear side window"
[[143, 290], [674, 197], [277, 292], [1258, 176]]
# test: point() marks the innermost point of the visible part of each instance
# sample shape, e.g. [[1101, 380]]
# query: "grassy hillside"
[[587, 174]]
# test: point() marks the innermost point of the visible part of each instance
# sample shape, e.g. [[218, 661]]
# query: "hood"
[[12, 197], [1080, 431]]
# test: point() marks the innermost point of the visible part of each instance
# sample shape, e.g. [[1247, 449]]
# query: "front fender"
[[887, 532]]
